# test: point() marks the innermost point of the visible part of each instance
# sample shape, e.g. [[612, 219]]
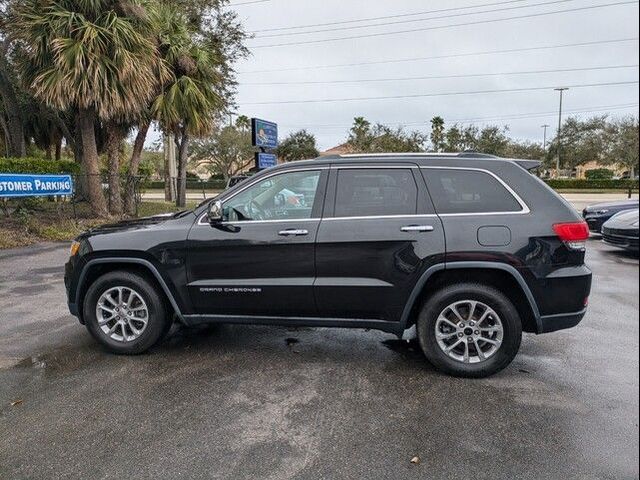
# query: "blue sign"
[[266, 160], [18, 185], [264, 134]]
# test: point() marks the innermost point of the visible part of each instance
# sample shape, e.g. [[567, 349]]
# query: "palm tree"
[[190, 104], [96, 57]]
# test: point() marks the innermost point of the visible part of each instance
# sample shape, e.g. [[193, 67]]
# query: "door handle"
[[293, 233], [416, 228]]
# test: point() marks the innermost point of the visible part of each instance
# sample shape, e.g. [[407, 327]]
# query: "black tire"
[[503, 307], [159, 321]]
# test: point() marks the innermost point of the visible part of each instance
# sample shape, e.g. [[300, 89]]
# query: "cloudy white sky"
[[440, 39]]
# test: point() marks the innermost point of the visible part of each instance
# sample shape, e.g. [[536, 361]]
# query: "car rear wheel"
[[124, 312], [469, 330]]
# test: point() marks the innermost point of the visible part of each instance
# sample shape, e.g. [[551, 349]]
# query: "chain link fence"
[[124, 193]]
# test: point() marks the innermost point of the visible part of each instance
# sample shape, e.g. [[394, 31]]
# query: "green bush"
[[37, 166], [599, 174], [604, 184], [192, 185]]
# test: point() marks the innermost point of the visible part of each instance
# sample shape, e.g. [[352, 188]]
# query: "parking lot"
[[264, 402]]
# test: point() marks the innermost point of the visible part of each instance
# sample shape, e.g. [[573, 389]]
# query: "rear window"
[[468, 191], [373, 192]]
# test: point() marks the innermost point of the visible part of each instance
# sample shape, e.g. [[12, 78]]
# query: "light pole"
[[561, 90], [544, 137]]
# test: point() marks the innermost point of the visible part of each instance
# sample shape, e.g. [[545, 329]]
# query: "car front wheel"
[[469, 330], [124, 312]]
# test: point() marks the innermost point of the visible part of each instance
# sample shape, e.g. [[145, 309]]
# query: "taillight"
[[573, 234]]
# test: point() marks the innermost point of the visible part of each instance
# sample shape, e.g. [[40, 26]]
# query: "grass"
[[31, 221]]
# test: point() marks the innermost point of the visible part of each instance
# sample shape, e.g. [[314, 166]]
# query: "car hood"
[[624, 220], [618, 205], [134, 224]]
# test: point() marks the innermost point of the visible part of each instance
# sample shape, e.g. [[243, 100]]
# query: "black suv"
[[465, 251]]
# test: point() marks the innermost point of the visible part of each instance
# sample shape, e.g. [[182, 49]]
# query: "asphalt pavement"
[[249, 402]]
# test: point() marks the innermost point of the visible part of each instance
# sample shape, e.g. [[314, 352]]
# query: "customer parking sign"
[[26, 185]]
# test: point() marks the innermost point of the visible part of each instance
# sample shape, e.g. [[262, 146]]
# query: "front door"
[[260, 259], [377, 238]]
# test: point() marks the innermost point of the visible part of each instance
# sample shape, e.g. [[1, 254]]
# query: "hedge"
[[38, 165], [603, 184], [191, 185], [599, 174]]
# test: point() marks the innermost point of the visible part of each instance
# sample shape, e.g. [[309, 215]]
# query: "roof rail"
[[472, 154]]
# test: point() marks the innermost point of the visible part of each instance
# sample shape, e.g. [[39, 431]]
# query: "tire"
[[495, 357], [158, 318]]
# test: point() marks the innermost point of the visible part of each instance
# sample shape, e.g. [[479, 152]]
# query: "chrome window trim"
[[525, 210], [202, 221], [381, 217]]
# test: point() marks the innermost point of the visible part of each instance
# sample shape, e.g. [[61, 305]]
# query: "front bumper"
[[70, 284], [595, 222], [621, 238]]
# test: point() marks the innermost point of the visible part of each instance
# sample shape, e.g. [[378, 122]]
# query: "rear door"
[[378, 235]]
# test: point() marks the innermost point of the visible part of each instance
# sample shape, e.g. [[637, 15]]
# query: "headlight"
[[602, 212], [75, 246]]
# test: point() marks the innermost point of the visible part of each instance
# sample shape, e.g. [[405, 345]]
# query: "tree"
[[94, 57], [437, 134], [200, 42], [364, 138], [243, 122], [11, 120], [360, 137], [582, 141], [298, 145], [226, 152], [623, 135]]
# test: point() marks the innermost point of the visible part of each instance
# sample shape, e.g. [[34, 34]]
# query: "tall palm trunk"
[[15, 129], [90, 161], [182, 142], [134, 165], [115, 137]]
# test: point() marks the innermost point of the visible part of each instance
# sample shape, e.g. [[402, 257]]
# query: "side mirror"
[[214, 213]]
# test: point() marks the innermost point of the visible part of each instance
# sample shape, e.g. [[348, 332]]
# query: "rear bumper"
[[561, 298], [553, 323]]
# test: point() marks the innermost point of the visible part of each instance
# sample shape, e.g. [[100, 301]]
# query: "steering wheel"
[[256, 212]]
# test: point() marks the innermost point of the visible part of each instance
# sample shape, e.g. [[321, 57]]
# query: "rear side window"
[[372, 192], [468, 191]]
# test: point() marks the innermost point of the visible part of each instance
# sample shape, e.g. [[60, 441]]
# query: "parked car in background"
[[596, 215], [622, 230]]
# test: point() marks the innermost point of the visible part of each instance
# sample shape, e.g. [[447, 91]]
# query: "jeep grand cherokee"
[[467, 250]]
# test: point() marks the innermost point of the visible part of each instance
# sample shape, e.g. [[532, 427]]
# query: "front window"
[[285, 196]]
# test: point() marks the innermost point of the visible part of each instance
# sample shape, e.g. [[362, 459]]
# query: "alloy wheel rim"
[[122, 314], [469, 331]]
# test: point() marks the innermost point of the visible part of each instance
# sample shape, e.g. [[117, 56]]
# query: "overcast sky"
[[281, 57]]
